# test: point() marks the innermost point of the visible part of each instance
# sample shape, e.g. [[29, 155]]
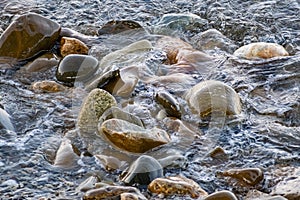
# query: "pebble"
[[42, 63], [131, 137], [173, 161], [177, 185], [110, 192], [247, 176], [65, 155], [221, 195], [88, 184], [72, 46], [261, 50], [257, 195], [93, 107], [142, 171], [5, 120], [110, 163], [169, 103], [75, 67], [213, 98], [27, 36], [118, 26], [47, 86]]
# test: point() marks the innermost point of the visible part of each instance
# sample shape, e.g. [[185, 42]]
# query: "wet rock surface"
[[221, 195], [72, 46], [27, 36]]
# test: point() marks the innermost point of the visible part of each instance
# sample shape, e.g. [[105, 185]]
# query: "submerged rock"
[[177, 185], [213, 98], [42, 63], [118, 26], [131, 137], [65, 156], [93, 107], [221, 195], [169, 103], [88, 184], [110, 163], [5, 120], [72, 46], [47, 86], [142, 171], [76, 67], [247, 176], [261, 50], [27, 36], [257, 195], [112, 192]]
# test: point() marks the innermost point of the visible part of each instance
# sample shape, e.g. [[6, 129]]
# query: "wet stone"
[[109, 162], [131, 137], [110, 192], [76, 67], [221, 195], [42, 63], [5, 121], [88, 184], [27, 36], [118, 26], [169, 103], [47, 86], [261, 50], [247, 176], [177, 185], [142, 171], [72, 46], [117, 113], [65, 155], [213, 98], [257, 195], [93, 107]]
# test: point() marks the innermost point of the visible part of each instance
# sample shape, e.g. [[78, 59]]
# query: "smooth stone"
[[65, 155], [129, 196], [174, 22], [173, 161], [42, 63], [218, 153], [5, 121], [110, 192], [169, 103], [289, 187], [171, 46], [247, 176], [47, 86], [72, 46], [117, 113], [76, 67], [110, 163], [27, 36], [93, 107], [213, 98], [131, 137], [176, 185], [118, 26], [142, 171], [88, 184], [211, 39], [221, 195], [257, 195], [261, 50]]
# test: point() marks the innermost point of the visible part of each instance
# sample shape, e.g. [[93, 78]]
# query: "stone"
[[47, 86], [221, 195], [117, 113], [5, 121], [118, 26], [173, 161], [131, 137], [213, 98], [142, 171], [76, 68], [289, 187], [65, 155], [93, 107], [176, 185], [261, 50], [211, 39], [42, 63], [88, 184], [110, 192], [247, 176], [72, 46], [27, 36], [169, 103], [257, 195], [110, 163]]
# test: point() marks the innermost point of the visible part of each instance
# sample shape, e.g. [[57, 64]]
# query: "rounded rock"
[[247, 176], [221, 195], [72, 46], [76, 67], [47, 86], [261, 50], [118, 26], [213, 97]]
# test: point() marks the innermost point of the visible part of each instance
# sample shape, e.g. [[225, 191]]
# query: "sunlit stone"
[[247, 176], [47, 86], [221, 195], [72, 46], [261, 50]]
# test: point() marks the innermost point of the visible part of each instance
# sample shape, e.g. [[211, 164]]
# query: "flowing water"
[[265, 135]]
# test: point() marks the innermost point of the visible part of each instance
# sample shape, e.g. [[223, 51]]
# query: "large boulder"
[[27, 36]]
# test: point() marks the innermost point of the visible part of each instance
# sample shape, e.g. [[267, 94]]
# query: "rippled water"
[[266, 135]]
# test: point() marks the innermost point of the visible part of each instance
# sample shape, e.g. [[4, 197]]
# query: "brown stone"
[[221, 195], [261, 50], [177, 185], [47, 86], [257, 195], [247, 176], [72, 46]]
